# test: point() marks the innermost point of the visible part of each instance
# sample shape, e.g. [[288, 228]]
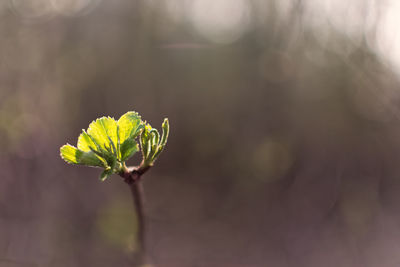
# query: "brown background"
[[284, 150]]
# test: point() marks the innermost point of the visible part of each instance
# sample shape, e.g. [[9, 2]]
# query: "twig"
[[132, 178]]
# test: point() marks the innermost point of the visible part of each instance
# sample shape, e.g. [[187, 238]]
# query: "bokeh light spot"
[[73, 7], [388, 36], [38, 9], [220, 21]]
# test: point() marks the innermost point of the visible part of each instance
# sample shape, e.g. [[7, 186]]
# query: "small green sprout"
[[108, 144], [151, 143]]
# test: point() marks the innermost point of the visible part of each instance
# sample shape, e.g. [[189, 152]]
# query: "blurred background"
[[284, 147]]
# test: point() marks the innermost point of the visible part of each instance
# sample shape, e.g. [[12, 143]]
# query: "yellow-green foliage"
[[108, 143]]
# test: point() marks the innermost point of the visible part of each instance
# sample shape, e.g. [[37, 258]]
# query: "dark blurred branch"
[[132, 177]]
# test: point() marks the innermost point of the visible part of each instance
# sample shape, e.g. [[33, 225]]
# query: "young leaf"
[[90, 159], [75, 156], [128, 148], [154, 139], [107, 157], [68, 153], [165, 132], [105, 174], [151, 144], [145, 141], [163, 141], [129, 126], [108, 143], [85, 142], [102, 131]]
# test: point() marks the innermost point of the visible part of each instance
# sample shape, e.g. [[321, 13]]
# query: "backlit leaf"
[[108, 143], [165, 132], [69, 154], [128, 148], [145, 141], [102, 131], [163, 141], [129, 126], [85, 142], [75, 156], [90, 159]]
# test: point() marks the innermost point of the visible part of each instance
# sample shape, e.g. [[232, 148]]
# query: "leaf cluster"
[[108, 143]]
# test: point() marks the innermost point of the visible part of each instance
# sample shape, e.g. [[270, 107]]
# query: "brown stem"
[[137, 195], [132, 178]]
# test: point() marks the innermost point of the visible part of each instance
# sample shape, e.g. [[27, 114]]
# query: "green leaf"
[[128, 148], [154, 139], [165, 132], [163, 141], [145, 141], [90, 159], [151, 144], [85, 142], [109, 159], [68, 153], [103, 131], [105, 174], [129, 126], [108, 143], [75, 156]]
